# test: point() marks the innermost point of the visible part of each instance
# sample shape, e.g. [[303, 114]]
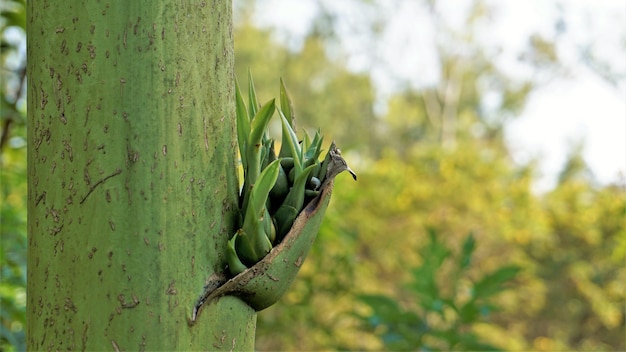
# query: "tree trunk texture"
[[132, 175]]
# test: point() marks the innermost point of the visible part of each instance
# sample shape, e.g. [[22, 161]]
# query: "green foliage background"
[[394, 265]]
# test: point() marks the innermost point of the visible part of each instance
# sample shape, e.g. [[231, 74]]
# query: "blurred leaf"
[[424, 283], [14, 13], [469, 312], [468, 249], [492, 283], [435, 253], [402, 329], [393, 323], [385, 309], [471, 342]]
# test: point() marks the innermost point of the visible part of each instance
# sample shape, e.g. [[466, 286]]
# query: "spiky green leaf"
[[261, 190], [253, 102], [286, 105], [243, 125], [235, 266], [291, 141]]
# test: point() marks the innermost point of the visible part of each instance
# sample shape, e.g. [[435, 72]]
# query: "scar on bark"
[[101, 181]]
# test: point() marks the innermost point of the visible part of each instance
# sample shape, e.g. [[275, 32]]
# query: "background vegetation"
[[442, 244]]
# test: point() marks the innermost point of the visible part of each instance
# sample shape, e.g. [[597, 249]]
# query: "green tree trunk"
[[132, 175]]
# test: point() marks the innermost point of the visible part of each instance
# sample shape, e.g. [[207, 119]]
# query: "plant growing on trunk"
[[275, 227]]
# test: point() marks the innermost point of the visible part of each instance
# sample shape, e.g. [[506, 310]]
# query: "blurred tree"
[[581, 265]]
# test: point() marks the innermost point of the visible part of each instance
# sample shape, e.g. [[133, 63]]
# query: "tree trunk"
[[132, 175]]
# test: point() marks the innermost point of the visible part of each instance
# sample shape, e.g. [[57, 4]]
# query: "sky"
[[577, 105], [582, 107]]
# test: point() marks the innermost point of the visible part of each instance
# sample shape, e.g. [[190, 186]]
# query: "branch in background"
[[6, 127], [433, 108], [450, 106]]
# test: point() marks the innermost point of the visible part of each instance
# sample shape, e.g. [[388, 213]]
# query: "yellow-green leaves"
[[282, 203], [286, 106], [254, 240], [260, 192], [254, 145], [286, 111], [291, 206], [251, 127], [275, 189], [234, 263], [243, 127], [264, 284], [290, 145], [252, 99], [255, 148]]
